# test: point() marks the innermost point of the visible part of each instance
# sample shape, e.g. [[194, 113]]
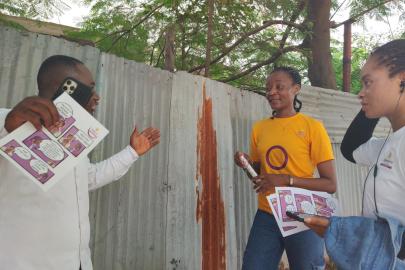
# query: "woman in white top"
[[382, 95]]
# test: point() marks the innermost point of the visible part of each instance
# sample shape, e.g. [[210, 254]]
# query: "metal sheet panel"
[[128, 217], [183, 246], [246, 108], [203, 164]]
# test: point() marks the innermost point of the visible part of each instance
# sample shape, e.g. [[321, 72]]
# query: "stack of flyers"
[[299, 200]]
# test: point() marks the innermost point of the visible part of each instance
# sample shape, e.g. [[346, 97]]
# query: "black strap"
[[360, 131], [401, 253]]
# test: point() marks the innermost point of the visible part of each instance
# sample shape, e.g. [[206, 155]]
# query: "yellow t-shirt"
[[294, 145]]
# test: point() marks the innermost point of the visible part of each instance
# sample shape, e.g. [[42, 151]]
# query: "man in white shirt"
[[51, 230]]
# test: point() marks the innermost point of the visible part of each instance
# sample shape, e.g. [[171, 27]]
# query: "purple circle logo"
[[283, 151]]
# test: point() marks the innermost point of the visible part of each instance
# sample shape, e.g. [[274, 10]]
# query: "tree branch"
[[355, 17], [124, 32], [160, 54], [281, 49], [294, 17], [339, 7], [272, 59], [154, 46], [265, 25]]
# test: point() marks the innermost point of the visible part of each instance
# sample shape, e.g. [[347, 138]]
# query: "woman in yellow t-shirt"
[[285, 149]]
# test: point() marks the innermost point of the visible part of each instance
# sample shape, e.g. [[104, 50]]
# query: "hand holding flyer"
[[298, 200], [46, 155]]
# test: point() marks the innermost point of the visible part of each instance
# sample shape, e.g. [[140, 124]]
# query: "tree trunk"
[[210, 4], [183, 44], [169, 49], [347, 57], [320, 68]]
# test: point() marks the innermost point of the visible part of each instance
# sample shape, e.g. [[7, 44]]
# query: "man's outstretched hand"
[[37, 110], [144, 141]]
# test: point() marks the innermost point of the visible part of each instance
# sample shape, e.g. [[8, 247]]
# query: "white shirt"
[[51, 230], [390, 180]]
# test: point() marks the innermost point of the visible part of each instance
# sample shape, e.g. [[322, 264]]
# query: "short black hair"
[[391, 55], [51, 63], [296, 78]]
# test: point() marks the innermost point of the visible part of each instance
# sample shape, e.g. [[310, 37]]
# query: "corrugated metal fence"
[[184, 205]]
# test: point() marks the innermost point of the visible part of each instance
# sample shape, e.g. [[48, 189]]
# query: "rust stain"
[[210, 206]]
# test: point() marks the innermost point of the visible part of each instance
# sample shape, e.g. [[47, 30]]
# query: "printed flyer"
[[46, 155], [302, 201]]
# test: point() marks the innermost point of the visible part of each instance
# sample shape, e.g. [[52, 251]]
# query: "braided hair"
[[296, 78], [391, 55]]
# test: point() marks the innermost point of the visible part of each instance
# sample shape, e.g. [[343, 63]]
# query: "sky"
[[72, 17], [376, 30]]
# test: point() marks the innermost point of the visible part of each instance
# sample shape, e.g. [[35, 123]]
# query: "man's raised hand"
[[144, 141]]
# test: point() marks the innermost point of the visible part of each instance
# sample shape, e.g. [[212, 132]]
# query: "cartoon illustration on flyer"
[[49, 151], [37, 168], [75, 141]]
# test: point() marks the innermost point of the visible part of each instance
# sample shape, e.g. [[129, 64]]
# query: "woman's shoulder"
[[311, 121]]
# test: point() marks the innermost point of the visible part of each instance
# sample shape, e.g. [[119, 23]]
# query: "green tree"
[[38, 9], [248, 37], [234, 41]]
